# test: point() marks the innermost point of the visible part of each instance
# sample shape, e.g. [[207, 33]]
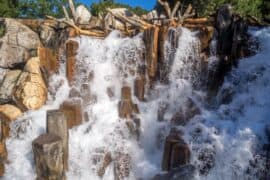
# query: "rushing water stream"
[[225, 140]]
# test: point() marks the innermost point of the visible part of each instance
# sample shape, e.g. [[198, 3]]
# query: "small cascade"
[[135, 127]]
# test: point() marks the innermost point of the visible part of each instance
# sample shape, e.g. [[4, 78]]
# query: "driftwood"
[[133, 21], [72, 9], [66, 13], [78, 30], [197, 21], [175, 11]]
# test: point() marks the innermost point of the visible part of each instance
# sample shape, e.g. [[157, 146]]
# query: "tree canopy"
[[40, 8]]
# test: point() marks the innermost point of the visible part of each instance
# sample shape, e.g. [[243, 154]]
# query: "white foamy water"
[[226, 138]]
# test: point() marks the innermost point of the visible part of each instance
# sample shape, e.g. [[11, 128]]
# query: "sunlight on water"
[[223, 140]]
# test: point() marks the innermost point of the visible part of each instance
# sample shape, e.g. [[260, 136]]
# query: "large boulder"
[[31, 91], [7, 86], [83, 15], [17, 44]]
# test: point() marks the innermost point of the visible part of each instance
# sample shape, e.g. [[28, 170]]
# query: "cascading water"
[[225, 141]]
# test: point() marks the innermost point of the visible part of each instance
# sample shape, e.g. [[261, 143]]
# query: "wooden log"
[[125, 106], [180, 155], [151, 45], [48, 157], [73, 112], [71, 52], [169, 142], [166, 6], [176, 152], [48, 60], [57, 124], [194, 26], [137, 23], [197, 20], [72, 9], [139, 88], [79, 31]]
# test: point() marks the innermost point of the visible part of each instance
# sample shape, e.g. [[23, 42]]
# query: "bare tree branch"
[[66, 13], [176, 7], [166, 6], [72, 8]]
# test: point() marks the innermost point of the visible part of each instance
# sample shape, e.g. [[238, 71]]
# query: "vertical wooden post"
[[151, 45], [73, 112], [57, 124], [48, 156], [176, 152], [139, 88], [71, 52]]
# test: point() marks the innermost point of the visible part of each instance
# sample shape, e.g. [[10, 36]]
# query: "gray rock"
[[2, 74], [8, 84], [17, 44]]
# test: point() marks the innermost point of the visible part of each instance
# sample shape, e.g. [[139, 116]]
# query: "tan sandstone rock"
[[8, 113], [31, 92], [33, 66]]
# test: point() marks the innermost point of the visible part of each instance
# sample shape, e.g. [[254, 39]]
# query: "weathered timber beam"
[[79, 30], [137, 23]]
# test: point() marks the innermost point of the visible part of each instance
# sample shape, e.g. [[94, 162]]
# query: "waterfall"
[[225, 141]]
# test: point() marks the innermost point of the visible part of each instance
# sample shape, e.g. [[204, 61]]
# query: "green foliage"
[[100, 8], [266, 9], [41, 8], [248, 7], [243, 7], [8, 8]]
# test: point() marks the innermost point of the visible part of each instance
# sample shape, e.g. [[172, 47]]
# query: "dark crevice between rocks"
[[2, 28]]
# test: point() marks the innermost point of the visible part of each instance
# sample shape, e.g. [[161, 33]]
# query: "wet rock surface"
[[186, 172], [176, 152], [122, 166], [48, 156]]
